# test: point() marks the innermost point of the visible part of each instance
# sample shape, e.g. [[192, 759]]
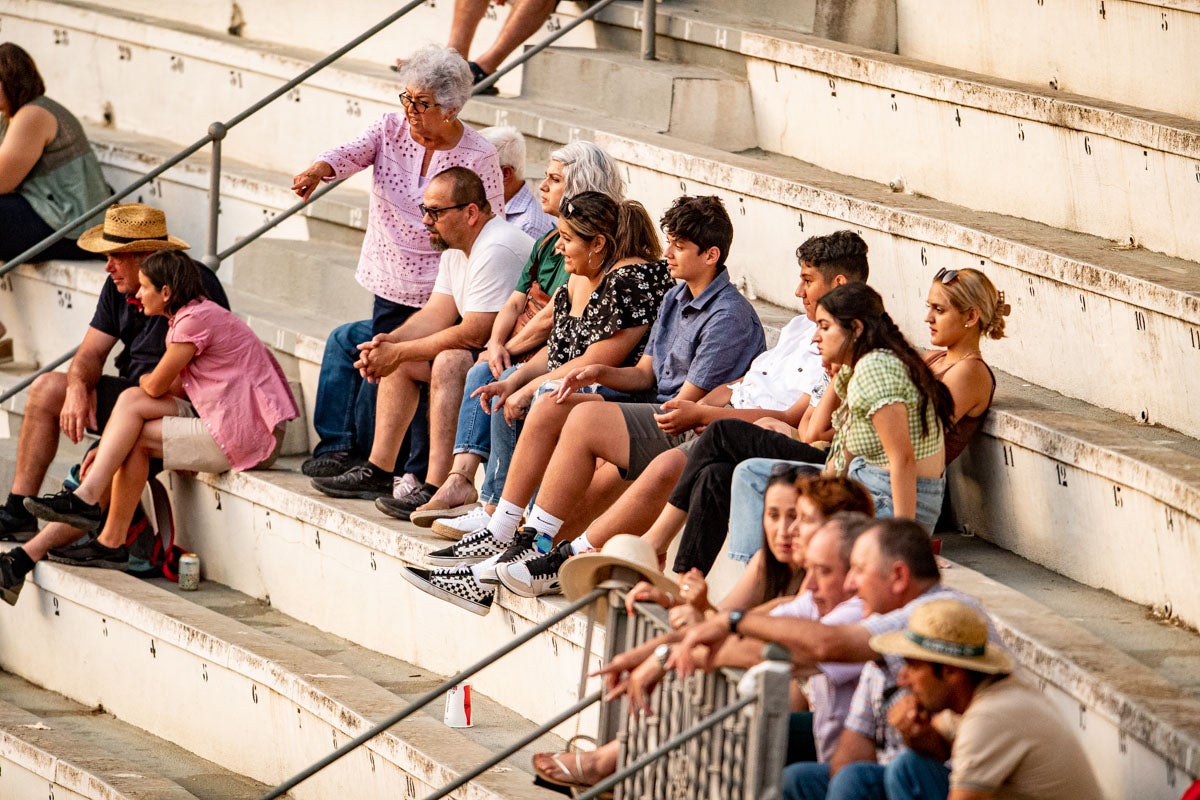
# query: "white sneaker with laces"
[[404, 486], [455, 528]]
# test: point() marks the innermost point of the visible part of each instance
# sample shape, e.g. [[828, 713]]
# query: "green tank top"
[[66, 180]]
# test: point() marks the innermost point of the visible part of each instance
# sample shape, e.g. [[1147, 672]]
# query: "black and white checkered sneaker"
[[524, 545], [457, 586], [536, 575], [471, 549]]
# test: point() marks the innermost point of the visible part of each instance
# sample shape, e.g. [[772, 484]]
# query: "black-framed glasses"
[[946, 276], [433, 213], [421, 106]]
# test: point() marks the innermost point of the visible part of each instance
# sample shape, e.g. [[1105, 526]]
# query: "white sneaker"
[[455, 528], [404, 486]]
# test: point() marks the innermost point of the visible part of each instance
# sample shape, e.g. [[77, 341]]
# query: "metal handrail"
[[433, 694], [26, 382], [671, 744]]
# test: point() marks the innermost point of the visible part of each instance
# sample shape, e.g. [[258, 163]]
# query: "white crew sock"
[[544, 522], [504, 521], [581, 544]]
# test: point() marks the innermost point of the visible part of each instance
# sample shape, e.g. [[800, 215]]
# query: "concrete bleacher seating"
[[1088, 466]]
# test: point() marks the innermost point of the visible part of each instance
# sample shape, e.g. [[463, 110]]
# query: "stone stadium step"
[[263, 699], [315, 275], [1131, 705], [1087, 493], [1126, 51], [52, 746], [1068, 161]]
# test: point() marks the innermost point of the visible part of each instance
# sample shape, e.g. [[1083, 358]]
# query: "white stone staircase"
[[1076, 203]]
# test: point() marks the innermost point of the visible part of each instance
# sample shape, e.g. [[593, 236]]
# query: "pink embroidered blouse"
[[236, 386], [397, 262]]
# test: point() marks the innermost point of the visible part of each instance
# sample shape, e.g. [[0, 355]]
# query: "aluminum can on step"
[[189, 572]]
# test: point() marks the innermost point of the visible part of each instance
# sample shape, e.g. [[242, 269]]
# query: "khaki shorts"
[[187, 444], [646, 439]]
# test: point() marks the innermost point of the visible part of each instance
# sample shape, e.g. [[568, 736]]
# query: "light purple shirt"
[[830, 691], [397, 262], [524, 211]]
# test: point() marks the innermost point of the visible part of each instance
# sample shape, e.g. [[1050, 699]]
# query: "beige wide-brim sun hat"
[[946, 632], [584, 572], [130, 228]]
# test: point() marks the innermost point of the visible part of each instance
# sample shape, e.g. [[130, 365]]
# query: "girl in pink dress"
[[216, 401]]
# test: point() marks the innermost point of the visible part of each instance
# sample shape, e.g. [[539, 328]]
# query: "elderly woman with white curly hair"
[[397, 264]]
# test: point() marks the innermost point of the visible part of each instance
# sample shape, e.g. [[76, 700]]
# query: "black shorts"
[[107, 391]]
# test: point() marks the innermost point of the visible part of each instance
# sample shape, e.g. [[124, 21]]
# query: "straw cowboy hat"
[[584, 572], [946, 632], [131, 228]]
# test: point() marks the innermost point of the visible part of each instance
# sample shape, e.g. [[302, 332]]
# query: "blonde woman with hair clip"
[[964, 307]]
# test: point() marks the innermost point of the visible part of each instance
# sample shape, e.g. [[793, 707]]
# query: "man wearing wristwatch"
[[893, 570]]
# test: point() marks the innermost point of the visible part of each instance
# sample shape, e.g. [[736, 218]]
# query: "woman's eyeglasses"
[[946, 276], [420, 106]]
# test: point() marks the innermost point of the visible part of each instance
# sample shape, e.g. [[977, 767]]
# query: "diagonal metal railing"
[[217, 132]]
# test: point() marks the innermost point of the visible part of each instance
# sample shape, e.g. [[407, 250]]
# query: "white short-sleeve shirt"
[[483, 282]]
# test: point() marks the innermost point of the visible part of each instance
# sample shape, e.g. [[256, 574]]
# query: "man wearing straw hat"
[[1009, 742], [82, 398]]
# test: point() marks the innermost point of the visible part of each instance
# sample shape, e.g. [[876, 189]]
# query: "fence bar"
[[273, 221], [217, 131], [431, 695], [592, 11], [653, 755], [649, 22], [13, 391], [538, 732]]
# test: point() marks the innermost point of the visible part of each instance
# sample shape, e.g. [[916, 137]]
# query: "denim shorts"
[[878, 481]]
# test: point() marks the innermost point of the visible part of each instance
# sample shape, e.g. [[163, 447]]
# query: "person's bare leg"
[[458, 489], [592, 430], [536, 445], [606, 489], [447, 378], [40, 430], [595, 765], [55, 534], [639, 508], [125, 426], [128, 484], [523, 21], [670, 521], [467, 15], [395, 406]]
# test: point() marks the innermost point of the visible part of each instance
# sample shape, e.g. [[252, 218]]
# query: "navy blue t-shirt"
[[144, 338]]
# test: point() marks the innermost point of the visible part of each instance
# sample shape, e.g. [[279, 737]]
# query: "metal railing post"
[[767, 737], [649, 29], [211, 259]]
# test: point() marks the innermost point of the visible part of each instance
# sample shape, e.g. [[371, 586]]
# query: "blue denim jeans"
[[878, 482], [474, 433], [809, 780], [911, 776], [344, 416], [746, 492]]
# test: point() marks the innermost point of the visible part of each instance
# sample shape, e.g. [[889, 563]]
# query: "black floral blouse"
[[626, 298]]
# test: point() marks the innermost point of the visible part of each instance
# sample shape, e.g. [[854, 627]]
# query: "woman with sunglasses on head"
[[602, 316], [964, 307], [887, 409]]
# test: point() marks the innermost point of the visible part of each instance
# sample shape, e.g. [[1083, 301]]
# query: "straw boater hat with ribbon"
[[584, 572], [131, 228], [946, 632]]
